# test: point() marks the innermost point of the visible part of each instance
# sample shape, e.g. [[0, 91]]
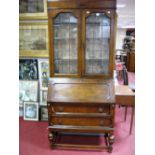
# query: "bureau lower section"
[[89, 118]]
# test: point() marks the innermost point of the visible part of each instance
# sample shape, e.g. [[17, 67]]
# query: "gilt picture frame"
[[21, 111], [31, 111], [32, 9], [33, 39]]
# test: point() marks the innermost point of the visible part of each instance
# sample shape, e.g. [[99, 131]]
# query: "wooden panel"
[[124, 96], [81, 129], [80, 92], [131, 62], [125, 100], [69, 108], [51, 15], [80, 115], [79, 147], [111, 14], [65, 4], [80, 121], [83, 91]]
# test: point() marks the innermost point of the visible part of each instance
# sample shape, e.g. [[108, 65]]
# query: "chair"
[[125, 82], [119, 70]]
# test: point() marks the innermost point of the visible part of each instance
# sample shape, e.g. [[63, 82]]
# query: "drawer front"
[[81, 121], [79, 109]]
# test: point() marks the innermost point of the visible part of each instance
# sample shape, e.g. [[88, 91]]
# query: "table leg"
[[126, 110], [132, 118]]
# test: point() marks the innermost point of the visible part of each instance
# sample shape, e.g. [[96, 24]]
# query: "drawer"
[[81, 121], [79, 108]]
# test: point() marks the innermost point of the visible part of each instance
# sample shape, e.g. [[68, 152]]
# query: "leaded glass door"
[[65, 43], [97, 31]]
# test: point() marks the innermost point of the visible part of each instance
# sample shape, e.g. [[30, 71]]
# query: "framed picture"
[[43, 113], [43, 96], [28, 69], [21, 111], [31, 111], [33, 9], [33, 39], [43, 73], [28, 91]]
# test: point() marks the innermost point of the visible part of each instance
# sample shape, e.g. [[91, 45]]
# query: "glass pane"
[[65, 44], [97, 43]]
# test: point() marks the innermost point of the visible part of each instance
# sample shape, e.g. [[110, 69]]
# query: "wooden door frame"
[[51, 15], [111, 14]]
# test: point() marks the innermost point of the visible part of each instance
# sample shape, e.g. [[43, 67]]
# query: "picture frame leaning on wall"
[[43, 113], [43, 96], [28, 91], [33, 39], [28, 69], [31, 111], [43, 65], [32, 9]]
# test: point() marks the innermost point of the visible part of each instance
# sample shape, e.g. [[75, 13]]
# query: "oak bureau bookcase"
[[81, 97]]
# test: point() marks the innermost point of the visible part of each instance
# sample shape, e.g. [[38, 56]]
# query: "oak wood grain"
[[81, 91]]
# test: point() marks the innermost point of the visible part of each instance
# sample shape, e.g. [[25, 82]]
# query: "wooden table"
[[125, 97]]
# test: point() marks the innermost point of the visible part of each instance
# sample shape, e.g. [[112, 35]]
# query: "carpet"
[[34, 141], [33, 136]]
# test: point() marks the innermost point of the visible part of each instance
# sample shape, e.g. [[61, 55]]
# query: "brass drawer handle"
[[101, 123], [53, 109], [100, 109], [61, 109], [82, 5], [60, 121]]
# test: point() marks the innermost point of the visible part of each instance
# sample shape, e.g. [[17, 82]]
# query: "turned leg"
[[109, 139], [52, 138], [132, 118]]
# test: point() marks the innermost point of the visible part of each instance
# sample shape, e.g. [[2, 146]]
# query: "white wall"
[[120, 35]]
